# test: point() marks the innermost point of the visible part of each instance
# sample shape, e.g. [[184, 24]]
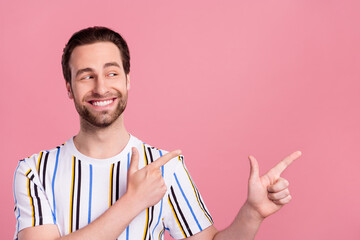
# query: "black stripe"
[[181, 213], [38, 205], [172, 206], [118, 181], [150, 154], [78, 196], [32, 199], [147, 210], [44, 170], [151, 219]]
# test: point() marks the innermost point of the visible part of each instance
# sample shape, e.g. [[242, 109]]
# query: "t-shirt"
[[64, 187]]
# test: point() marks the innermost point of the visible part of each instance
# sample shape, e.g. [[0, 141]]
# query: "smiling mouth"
[[101, 103]]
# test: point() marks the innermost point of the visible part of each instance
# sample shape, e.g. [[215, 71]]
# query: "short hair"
[[92, 35]]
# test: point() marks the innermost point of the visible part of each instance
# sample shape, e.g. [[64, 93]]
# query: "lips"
[[101, 103]]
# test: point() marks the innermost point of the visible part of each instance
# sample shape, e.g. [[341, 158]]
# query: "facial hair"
[[105, 118]]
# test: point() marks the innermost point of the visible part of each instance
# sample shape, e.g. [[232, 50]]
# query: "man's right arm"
[[145, 188]]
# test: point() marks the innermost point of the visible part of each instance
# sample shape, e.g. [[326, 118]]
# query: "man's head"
[[93, 35], [96, 69]]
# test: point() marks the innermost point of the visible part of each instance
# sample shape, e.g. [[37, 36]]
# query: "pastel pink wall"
[[218, 79]]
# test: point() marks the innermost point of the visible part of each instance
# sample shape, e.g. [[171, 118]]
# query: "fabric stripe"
[[111, 185], [161, 233], [197, 194], [161, 204], [150, 154], [44, 170], [78, 195], [128, 164], [39, 162], [38, 204], [53, 184], [117, 196], [151, 219], [72, 196], [147, 210], [187, 201], [30, 196], [180, 211], [90, 193], [127, 233], [176, 217]]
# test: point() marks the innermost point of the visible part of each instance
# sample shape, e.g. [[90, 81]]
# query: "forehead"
[[94, 55]]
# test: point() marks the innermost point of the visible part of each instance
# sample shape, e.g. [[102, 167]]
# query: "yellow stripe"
[[38, 165], [111, 183], [31, 201], [172, 208], [195, 193], [72, 193], [161, 233], [145, 155], [147, 221]]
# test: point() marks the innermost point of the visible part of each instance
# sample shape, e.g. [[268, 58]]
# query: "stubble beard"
[[105, 118]]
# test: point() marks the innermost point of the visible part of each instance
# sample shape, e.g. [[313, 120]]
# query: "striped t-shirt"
[[64, 187]]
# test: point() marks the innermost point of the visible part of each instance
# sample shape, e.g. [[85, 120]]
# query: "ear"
[[128, 82], [69, 91]]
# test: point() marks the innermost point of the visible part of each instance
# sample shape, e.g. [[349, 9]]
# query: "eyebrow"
[[106, 65]]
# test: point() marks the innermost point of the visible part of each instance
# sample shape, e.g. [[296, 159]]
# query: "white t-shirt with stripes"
[[64, 187]]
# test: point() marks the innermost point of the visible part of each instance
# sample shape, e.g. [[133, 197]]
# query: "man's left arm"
[[266, 195]]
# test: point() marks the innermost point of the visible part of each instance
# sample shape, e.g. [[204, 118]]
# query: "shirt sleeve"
[[187, 213], [32, 207]]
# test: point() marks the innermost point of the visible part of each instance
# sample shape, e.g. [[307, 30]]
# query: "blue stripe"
[[17, 219], [192, 212], [128, 162], [90, 193], [161, 205], [53, 185], [127, 229]]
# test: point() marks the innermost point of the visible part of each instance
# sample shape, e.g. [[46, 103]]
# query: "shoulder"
[[152, 153], [33, 162]]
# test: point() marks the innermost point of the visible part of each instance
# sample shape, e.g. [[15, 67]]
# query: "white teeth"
[[102, 103]]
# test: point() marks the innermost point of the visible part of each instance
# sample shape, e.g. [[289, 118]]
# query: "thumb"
[[134, 163], [254, 168]]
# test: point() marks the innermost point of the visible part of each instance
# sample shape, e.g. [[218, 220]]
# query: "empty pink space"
[[221, 81]]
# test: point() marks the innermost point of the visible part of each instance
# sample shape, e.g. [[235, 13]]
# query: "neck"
[[103, 142]]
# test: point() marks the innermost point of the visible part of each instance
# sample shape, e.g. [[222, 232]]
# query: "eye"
[[112, 74], [87, 77]]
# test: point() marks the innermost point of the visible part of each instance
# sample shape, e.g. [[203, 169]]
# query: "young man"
[[105, 183]]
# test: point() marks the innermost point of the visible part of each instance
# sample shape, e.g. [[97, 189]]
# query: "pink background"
[[218, 79]]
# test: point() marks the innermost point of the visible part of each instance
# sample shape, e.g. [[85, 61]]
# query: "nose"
[[100, 86]]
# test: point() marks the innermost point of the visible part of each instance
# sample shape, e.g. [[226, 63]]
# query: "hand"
[[147, 185], [268, 193]]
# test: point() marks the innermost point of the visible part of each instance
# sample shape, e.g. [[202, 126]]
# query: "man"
[[105, 183]]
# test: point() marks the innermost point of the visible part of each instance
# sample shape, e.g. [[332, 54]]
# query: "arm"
[[145, 188], [266, 195]]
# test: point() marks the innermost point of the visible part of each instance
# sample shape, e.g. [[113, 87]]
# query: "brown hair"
[[93, 35]]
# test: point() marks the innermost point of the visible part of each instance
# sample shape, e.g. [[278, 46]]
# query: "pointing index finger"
[[164, 159], [282, 165]]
